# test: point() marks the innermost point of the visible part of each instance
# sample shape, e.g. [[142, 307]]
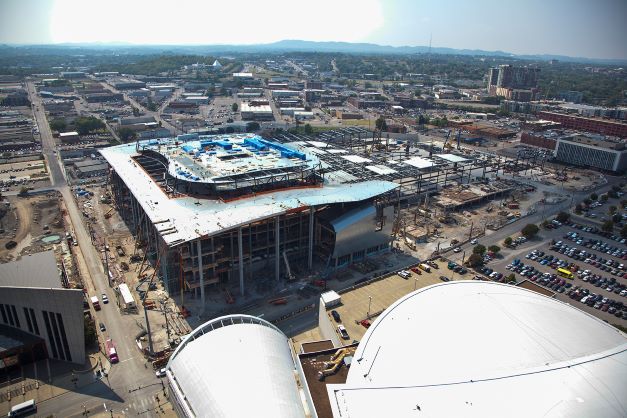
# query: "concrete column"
[[277, 255], [201, 275], [311, 237], [240, 258]]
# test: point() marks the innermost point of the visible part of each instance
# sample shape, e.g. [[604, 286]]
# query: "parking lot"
[[580, 266]]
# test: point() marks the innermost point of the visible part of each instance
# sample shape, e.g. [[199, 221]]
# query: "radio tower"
[[430, 39]]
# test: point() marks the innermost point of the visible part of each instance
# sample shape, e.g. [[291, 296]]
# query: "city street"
[[131, 372]]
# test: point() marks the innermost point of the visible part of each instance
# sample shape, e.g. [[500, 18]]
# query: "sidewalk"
[[40, 390]]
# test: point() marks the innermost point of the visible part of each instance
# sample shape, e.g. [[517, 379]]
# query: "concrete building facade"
[[33, 301]]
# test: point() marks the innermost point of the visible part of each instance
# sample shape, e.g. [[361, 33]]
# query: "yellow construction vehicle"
[[331, 367]]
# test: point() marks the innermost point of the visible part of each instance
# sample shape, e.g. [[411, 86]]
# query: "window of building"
[[28, 322], [57, 335], [343, 260], [4, 314], [34, 319], [55, 354], [10, 315], [17, 319], [66, 346]]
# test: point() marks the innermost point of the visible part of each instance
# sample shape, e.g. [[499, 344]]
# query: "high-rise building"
[[509, 78]]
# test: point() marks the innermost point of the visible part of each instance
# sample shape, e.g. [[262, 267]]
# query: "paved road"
[[131, 371], [146, 112]]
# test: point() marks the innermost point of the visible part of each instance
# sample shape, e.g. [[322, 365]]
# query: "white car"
[[343, 332], [457, 250], [473, 241], [105, 299], [160, 372]]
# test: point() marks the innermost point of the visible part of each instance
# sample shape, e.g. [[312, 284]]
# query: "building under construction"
[[261, 210], [254, 209]]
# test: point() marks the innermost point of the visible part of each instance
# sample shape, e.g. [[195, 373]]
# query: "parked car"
[[343, 332], [336, 316]]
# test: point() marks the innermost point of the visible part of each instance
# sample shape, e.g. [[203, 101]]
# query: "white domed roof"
[[474, 348], [236, 366]]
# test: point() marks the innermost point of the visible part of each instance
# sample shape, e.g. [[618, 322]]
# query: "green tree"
[[381, 124], [594, 196], [308, 129], [604, 197], [616, 218], [478, 249], [89, 124], [562, 217], [135, 111], [494, 248], [475, 260], [612, 209], [234, 107], [623, 231], [23, 191], [530, 230], [58, 125], [510, 278], [578, 208], [607, 226], [89, 331], [150, 105], [252, 126], [229, 130], [587, 201], [126, 134], [507, 241]]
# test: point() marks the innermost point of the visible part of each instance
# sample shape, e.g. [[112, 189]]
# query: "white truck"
[[127, 297]]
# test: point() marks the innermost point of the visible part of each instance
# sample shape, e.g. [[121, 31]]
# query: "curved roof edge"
[[364, 341], [220, 322]]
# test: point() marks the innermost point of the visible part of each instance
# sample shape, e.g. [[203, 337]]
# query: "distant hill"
[[312, 46]]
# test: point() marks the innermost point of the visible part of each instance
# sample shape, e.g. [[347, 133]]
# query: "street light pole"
[[415, 283], [369, 302]]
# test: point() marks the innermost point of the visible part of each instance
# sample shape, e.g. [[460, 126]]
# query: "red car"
[[366, 323], [416, 270]]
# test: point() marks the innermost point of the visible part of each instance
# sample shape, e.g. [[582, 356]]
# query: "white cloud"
[[214, 22]]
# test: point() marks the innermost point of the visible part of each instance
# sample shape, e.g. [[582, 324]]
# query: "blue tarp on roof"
[[285, 151]]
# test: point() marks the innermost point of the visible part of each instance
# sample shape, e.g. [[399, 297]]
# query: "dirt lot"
[[27, 221]]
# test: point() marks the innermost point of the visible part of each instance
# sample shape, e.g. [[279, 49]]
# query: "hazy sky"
[[588, 28]]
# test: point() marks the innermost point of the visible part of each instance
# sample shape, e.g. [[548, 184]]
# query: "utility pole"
[[107, 262], [150, 351], [165, 316]]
